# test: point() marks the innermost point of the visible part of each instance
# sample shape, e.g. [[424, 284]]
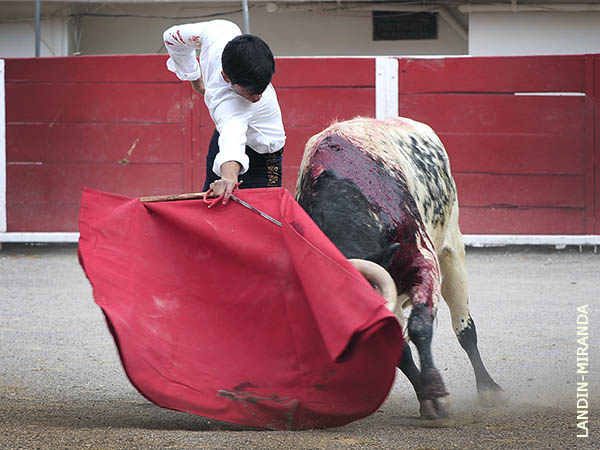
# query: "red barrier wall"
[[124, 124], [524, 164]]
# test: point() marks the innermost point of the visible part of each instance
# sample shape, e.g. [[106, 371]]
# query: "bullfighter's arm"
[[181, 42]]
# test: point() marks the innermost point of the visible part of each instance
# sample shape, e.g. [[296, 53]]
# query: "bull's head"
[[380, 279], [374, 269]]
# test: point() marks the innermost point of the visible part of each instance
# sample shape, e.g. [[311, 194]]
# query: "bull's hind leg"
[[455, 293], [427, 381]]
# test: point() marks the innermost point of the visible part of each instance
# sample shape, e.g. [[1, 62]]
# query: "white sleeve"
[[231, 118], [181, 41]]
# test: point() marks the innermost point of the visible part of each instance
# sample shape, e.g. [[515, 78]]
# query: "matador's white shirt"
[[238, 121]]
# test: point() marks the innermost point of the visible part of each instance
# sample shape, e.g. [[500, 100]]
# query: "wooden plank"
[[488, 190], [497, 113], [290, 72], [43, 217], [199, 175], [200, 140], [94, 142], [2, 150], [296, 139], [515, 153], [56, 184], [91, 69], [290, 175], [553, 73], [521, 221], [196, 134], [324, 72], [140, 102], [594, 131], [322, 106], [191, 126], [505, 150], [203, 119], [294, 149], [590, 160], [292, 155]]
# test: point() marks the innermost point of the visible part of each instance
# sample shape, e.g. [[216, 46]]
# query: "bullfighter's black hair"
[[248, 61]]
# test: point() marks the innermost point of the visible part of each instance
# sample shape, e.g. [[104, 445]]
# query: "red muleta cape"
[[221, 313]]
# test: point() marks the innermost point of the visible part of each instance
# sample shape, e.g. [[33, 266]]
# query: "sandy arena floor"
[[62, 385]]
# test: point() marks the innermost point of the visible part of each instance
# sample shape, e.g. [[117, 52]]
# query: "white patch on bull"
[[376, 220], [390, 141]]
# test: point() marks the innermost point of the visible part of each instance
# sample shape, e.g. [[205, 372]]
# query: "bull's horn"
[[380, 278]]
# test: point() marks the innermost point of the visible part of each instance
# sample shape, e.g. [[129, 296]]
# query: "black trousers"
[[265, 169]]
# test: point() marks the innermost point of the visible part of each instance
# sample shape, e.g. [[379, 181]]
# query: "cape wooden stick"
[[173, 197], [194, 195]]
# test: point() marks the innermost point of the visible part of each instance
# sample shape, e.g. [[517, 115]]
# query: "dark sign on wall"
[[399, 25]]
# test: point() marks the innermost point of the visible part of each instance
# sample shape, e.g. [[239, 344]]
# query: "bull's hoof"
[[436, 408], [492, 397]]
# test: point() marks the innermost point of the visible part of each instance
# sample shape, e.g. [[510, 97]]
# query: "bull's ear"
[[384, 256]]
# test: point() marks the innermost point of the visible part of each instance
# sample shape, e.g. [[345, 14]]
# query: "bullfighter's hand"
[[228, 181], [198, 86]]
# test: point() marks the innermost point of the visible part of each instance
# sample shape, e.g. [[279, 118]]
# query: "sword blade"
[[256, 210]]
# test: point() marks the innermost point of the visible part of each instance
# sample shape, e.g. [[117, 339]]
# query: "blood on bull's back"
[[400, 165]]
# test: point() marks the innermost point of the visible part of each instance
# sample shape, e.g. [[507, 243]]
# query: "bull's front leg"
[[431, 391], [430, 388]]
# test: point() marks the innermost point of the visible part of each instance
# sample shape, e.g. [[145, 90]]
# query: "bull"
[[382, 191]]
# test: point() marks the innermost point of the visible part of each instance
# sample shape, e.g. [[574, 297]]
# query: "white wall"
[[290, 31], [533, 33], [296, 33], [17, 39], [2, 152]]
